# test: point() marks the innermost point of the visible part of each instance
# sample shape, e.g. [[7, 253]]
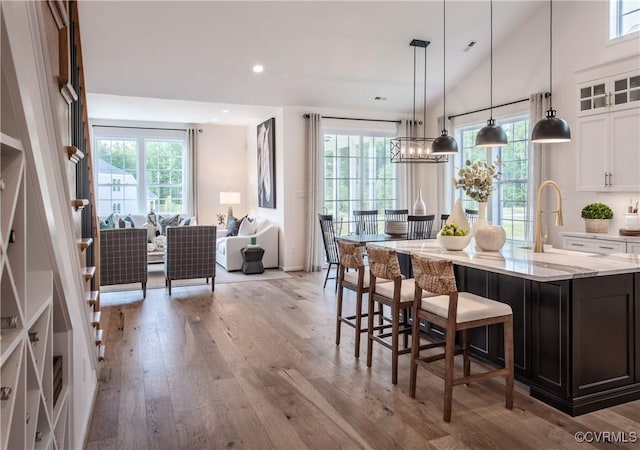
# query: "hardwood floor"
[[254, 365]]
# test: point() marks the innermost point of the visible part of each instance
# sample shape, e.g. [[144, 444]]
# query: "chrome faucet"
[[539, 247]]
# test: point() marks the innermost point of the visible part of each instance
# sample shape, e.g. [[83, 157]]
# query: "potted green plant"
[[597, 217]]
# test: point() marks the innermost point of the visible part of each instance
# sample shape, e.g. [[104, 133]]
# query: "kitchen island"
[[576, 318]]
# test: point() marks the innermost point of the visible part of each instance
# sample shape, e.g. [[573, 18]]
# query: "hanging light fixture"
[[491, 135], [444, 144], [414, 149], [551, 129]]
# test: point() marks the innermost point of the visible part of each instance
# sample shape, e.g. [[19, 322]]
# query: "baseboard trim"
[[292, 269]]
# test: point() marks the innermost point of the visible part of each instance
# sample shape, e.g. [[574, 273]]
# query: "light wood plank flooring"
[[254, 365]]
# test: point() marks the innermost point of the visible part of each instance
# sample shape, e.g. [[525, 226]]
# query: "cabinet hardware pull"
[[5, 393], [577, 245], [604, 246], [34, 336], [610, 176], [605, 180], [8, 322]]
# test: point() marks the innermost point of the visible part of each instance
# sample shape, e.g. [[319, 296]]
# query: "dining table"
[[366, 238]]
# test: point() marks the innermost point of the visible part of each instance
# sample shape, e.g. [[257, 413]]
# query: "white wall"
[[220, 166], [521, 67]]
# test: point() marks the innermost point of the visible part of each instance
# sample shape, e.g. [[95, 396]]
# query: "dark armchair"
[[123, 257], [190, 252]]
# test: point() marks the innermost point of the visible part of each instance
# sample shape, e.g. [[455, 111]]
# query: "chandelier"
[[412, 148]]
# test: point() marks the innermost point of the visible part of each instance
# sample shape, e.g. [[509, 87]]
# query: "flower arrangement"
[[221, 218], [477, 179]]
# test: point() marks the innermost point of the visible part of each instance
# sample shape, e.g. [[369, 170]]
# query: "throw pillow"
[[169, 221], [248, 227], [233, 226], [185, 222], [108, 223], [129, 222]]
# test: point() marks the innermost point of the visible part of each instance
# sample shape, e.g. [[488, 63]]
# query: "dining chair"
[[366, 221], [396, 215], [330, 247], [443, 220], [419, 227], [472, 215], [356, 281], [455, 311], [398, 296]]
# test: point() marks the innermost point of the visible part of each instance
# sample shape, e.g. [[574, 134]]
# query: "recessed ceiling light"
[[380, 98], [258, 68], [226, 111]]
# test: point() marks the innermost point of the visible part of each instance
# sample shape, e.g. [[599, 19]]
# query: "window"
[[624, 17], [358, 174], [140, 170], [509, 204]]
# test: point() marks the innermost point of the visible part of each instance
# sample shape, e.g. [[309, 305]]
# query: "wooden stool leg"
[[448, 372], [415, 353], [358, 322], [405, 325], [508, 360], [370, 331], [395, 316], [339, 314], [465, 353]]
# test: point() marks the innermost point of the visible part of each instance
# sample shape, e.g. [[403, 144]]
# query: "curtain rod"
[[144, 128], [546, 95], [306, 116]]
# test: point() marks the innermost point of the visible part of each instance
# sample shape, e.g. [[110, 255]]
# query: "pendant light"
[[491, 135], [415, 149], [444, 144], [551, 129]]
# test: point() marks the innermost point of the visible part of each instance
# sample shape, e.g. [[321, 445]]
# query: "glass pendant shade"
[[444, 144], [551, 130], [491, 136]]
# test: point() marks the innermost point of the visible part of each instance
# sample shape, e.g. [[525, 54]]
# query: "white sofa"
[[228, 248]]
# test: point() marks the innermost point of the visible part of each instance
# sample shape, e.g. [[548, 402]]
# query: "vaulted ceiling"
[[187, 61]]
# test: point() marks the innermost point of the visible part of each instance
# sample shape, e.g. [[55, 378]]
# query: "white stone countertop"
[[607, 236], [552, 265]]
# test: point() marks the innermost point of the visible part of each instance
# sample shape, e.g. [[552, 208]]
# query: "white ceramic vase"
[[419, 208], [490, 238], [459, 217], [481, 221]]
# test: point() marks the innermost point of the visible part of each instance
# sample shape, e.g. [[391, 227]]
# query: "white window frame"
[[615, 18], [141, 135], [494, 207], [362, 134]]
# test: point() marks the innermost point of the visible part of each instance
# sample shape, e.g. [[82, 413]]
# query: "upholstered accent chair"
[[123, 257], [190, 252]]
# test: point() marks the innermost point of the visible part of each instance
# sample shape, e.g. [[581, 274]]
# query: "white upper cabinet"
[[609, 94], [608, 133]]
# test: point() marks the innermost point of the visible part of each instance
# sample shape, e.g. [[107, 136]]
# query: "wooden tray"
[[624, 232]]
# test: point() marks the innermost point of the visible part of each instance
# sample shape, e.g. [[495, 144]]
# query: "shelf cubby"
[[39, 339], [11, 173], [10, 374], [39, 293], [11, 308], [42, 428], [33, 400]]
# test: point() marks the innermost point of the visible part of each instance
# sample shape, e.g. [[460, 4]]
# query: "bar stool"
[[454, 311], [358, 282], [398, 295]]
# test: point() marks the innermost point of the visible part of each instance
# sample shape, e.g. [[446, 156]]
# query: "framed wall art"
[[267, 164]]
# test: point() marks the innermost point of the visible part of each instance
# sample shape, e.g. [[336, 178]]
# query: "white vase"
[[481, 221], [419, 208], [490, 238], [459, 217]]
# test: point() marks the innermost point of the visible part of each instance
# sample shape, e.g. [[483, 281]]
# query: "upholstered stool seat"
[[407, 290], [470, 306]]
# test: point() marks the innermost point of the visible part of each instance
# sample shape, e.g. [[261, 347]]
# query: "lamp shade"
[[551, 130], [229, 198], [491, 136], [444, 144]]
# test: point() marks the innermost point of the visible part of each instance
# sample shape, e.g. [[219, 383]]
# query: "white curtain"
[[408, 183], [314, 141], [538, 162], [192, 173]]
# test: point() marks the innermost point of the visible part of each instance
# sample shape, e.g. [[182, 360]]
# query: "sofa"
[[228, 248]]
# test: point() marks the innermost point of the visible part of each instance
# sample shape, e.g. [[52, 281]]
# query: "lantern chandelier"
[[412, 148]]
